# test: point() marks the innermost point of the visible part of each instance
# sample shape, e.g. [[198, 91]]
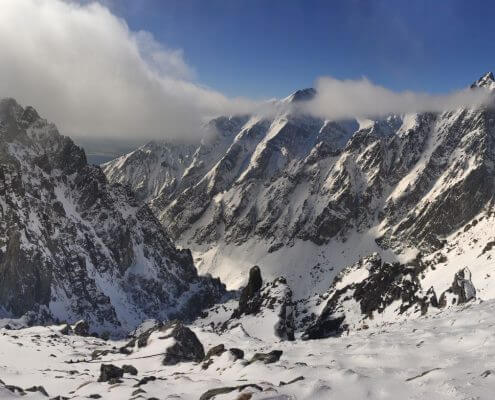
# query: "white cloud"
[[83, 68], [338, 99]]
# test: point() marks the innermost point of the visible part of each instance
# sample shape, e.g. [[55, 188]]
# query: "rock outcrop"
[[176, 341], [258, 300], [461, 291]]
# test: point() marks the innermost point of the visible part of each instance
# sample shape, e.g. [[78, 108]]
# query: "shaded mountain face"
[[303, 197], [73, 246]]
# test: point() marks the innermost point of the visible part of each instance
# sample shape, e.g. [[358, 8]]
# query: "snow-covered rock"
[[372, 293], [73, 246], [176, 342]]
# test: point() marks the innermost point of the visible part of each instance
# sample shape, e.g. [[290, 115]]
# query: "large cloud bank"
[[83, 68]]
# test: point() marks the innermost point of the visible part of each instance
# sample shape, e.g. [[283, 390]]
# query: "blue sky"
[[269, 48], [161, 68]]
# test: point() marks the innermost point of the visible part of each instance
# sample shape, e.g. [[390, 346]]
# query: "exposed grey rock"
[[257, 299], [66, 329], [144, 380]]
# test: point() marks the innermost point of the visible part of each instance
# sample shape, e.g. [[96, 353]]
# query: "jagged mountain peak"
[[486, 81], [301, 95]]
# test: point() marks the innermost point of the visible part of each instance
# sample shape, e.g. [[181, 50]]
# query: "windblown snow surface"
[[446, 355]]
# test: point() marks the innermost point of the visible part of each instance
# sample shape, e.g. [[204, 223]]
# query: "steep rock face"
[[372, 292], [74, 245]]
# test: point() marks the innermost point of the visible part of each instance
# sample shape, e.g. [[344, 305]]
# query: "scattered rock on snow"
[[215, 351], [145, 326]]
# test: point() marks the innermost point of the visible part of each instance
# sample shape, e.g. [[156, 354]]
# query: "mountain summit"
[[486, 81]]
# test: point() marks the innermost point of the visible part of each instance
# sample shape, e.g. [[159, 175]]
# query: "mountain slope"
[[73, 246], [303, 197]]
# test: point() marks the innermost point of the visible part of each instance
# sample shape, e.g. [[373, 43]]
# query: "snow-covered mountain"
[[303, 197], [74, 246]]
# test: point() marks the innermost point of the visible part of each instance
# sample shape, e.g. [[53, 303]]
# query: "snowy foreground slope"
[[293, 194], [73, 246], [446, 355]]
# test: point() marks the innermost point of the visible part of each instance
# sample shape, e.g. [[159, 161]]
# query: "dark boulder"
[[237, 353], [215, 351], [108, 372], [81, 328], [246, 305], [66, 329], [267, 358], [186, 345], [273, 297], [129, 369]]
